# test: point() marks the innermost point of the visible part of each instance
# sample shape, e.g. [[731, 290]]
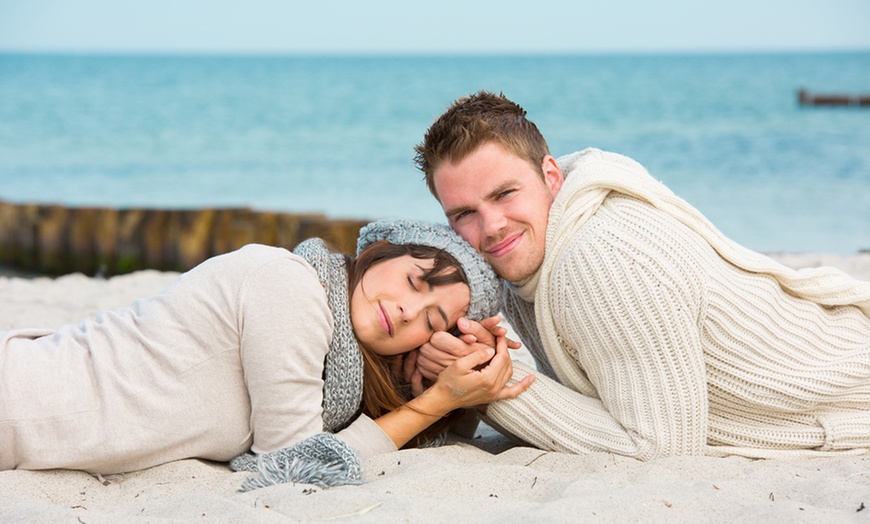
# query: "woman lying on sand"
[[283, 354]]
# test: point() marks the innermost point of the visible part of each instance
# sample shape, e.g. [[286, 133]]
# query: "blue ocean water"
[[335, 134]]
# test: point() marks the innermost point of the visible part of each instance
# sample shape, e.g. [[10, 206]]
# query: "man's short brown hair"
[[472, 121]]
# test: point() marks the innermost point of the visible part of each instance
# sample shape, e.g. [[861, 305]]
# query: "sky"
[[440, 27]]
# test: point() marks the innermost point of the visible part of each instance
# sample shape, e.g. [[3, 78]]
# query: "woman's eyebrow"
[[444, 316]]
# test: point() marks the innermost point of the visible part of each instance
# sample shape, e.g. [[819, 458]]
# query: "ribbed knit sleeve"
[[553, 417], [627, 299]]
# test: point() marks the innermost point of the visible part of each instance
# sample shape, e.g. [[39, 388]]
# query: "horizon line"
[[423, 54]]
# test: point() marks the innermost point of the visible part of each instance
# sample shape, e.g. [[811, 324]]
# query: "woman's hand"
[[478, 378]]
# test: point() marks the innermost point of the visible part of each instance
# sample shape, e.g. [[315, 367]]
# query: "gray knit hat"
[[484, 283]]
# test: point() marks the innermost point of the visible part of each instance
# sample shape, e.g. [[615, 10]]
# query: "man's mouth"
[[385, 320], [505, 246]]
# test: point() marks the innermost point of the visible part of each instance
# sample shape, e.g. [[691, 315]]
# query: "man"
[[656, 335]]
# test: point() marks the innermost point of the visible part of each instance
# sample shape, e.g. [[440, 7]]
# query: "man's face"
[[498, 203]]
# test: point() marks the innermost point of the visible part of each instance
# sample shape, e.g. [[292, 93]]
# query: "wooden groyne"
[[806, 98], [55, 240]]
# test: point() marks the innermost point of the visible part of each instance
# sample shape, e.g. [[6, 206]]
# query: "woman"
[[260, 349]]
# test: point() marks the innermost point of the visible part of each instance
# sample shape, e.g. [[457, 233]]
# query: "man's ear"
[[553, 176]]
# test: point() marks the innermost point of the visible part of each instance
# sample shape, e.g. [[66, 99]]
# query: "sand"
[[484, 479]]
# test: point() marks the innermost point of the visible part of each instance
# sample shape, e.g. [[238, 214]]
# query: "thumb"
[[490, 322]]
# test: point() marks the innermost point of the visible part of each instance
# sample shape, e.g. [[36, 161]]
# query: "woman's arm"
[[460, 385], [285, 329]]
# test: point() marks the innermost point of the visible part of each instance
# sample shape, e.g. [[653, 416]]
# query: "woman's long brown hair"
[[383, 390]]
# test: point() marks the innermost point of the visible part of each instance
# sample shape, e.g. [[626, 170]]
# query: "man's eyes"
[[462, 215]]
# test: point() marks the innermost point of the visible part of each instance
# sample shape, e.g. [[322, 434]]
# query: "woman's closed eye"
[[413, 284]]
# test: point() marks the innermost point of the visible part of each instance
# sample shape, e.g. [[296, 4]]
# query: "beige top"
[[665, 338], [227, 358]]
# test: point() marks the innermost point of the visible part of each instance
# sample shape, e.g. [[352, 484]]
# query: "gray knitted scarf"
[[343, 371], [322, 459]]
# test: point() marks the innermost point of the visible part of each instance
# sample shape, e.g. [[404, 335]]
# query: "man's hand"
[[443, 348], [484, 332], [480, 378]]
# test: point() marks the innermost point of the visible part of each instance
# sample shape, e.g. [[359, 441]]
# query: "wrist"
[[431, 402]]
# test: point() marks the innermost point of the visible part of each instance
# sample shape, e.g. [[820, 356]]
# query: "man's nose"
[[492, 222]]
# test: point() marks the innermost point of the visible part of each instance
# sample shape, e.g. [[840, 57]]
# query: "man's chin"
[[506, 273], [511, 270]]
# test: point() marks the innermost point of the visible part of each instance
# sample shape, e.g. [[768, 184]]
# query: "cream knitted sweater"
[[230, 357], [666, 338]]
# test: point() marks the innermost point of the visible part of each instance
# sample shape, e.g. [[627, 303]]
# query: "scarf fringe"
[[323, 460]]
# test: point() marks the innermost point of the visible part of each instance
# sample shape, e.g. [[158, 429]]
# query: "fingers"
[[491, 323], [480, 377], [427, 361], [511, 343], [443, 343], [478, 330], [416, 382], [432, 358], [409, 365], [441, 350], [476, 360], [494, 327], [515, 389], [468, 339], [395, 365]]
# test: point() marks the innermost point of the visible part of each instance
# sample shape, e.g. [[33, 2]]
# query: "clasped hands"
[[474, 366]]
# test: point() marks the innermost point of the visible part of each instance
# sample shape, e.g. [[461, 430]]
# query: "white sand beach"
[[484, 479]]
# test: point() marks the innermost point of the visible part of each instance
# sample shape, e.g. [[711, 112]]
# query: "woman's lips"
[[385, 320], [505, 246]]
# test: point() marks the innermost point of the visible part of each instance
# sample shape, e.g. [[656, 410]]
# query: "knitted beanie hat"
[[484, 284]]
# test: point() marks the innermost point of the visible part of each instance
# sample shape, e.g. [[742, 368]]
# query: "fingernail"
[[463, 323], [490, 351]]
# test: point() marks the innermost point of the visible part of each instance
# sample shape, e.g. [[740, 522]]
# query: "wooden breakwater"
[[806, 98], [55, 240]]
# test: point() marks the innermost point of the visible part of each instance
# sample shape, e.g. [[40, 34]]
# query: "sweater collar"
[[527, 288]]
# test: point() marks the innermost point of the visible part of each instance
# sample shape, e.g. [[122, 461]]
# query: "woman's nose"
[[408, 310]]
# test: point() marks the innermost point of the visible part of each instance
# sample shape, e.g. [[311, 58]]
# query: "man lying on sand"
[[654, 334]]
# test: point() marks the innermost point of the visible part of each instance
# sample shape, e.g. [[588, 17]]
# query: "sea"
[[335, 134]]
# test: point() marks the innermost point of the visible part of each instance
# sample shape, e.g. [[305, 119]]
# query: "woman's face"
[[393, 310]]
